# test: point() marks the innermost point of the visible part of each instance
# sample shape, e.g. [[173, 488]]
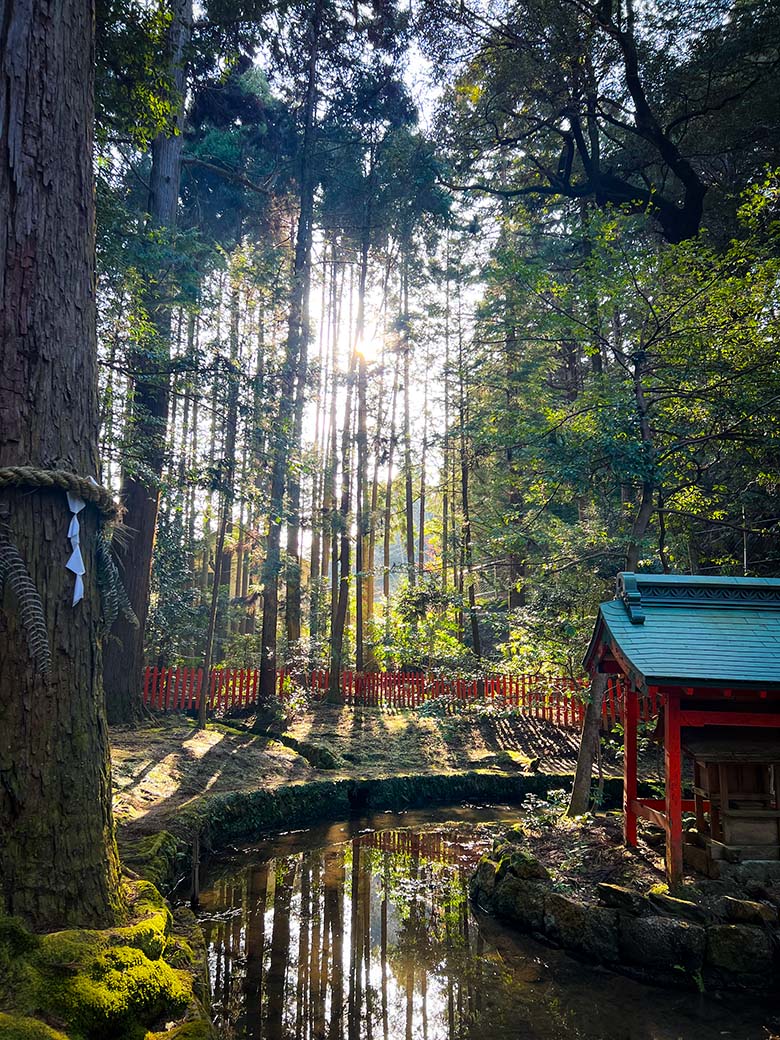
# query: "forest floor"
[[165, 763], [583, 852]]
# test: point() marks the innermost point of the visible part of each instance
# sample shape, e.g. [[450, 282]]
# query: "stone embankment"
[[717, 940]]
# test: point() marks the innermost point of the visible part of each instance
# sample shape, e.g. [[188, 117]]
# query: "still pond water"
[[364, 931]]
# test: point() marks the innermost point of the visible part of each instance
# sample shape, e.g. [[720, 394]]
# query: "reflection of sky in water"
[[374, 939]]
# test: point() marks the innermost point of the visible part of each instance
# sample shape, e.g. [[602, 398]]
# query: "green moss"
[[17, 976], [19, 1027], [149, 933], [114, 989], [14, 937], [315, 754], [153, 856], [102, 985], [201, 1029]]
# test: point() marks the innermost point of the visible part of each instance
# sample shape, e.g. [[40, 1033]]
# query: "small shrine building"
[[707, 649]]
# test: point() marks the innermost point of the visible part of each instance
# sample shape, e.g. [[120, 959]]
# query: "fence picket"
[[554, 698]]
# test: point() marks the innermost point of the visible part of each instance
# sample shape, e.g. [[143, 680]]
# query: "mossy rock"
[[523, 865], [521, 902], [95, 985], [737, 949], [600, 934], [19, 1027], [564, 919], [516, 834], [662, 942], [746, 911], [112, 990], [483, 882]]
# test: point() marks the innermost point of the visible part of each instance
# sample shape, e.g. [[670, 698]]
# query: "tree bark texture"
[[58, 858], [579, 802], [124, 658]]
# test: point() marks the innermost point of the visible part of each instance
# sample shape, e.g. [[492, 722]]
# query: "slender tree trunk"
[[318, 475], [362, 452], [445, 464], [388, 517], [371, 553], [423, 462], [516, 597], [467, 561], [227, 477], [646, 504], [579, 802], [409, 494], [329, 476], [298, 338], [124, 655], [342, 598], [58, 859]]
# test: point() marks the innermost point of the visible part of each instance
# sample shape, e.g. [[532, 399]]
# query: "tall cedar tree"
[[141, 489], [58, 859]]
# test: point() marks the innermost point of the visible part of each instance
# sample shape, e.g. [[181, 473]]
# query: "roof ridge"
[[638, 591]]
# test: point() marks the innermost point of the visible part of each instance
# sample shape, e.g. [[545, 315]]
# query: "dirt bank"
[[165, 764]]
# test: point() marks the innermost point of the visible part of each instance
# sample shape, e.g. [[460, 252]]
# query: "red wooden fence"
[[612, 711], [555, 698]]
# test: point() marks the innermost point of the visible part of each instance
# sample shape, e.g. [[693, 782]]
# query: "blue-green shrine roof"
[[688, 630]]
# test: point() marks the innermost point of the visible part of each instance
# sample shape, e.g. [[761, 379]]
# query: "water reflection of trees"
[[368, 940]]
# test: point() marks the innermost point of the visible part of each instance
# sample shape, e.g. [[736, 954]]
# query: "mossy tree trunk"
[[58, 858]]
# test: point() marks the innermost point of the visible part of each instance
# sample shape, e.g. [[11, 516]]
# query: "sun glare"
[[368, 347]]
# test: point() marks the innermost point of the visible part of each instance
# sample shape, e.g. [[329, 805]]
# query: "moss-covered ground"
[[123, 983]]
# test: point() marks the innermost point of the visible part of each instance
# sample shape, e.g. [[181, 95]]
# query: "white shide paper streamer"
[[76, 562]]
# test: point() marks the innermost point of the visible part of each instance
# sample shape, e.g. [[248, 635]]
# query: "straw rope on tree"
[[13, 571], [63, 480]]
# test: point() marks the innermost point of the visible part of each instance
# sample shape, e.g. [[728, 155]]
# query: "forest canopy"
[[458, 310]]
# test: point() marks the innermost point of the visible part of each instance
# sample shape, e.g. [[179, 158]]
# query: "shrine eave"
[[687, 631]]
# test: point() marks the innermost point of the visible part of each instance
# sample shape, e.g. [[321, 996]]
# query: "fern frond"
[[112, 591], [31, 613]]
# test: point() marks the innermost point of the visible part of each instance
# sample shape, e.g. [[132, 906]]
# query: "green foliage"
[[177, 619], [132, 91]]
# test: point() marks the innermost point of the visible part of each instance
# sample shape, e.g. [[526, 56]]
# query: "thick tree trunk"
[[58, 859], [124, 656]]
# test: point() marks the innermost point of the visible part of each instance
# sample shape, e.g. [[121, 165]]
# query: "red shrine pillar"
[[673, 770], [630, 716]]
